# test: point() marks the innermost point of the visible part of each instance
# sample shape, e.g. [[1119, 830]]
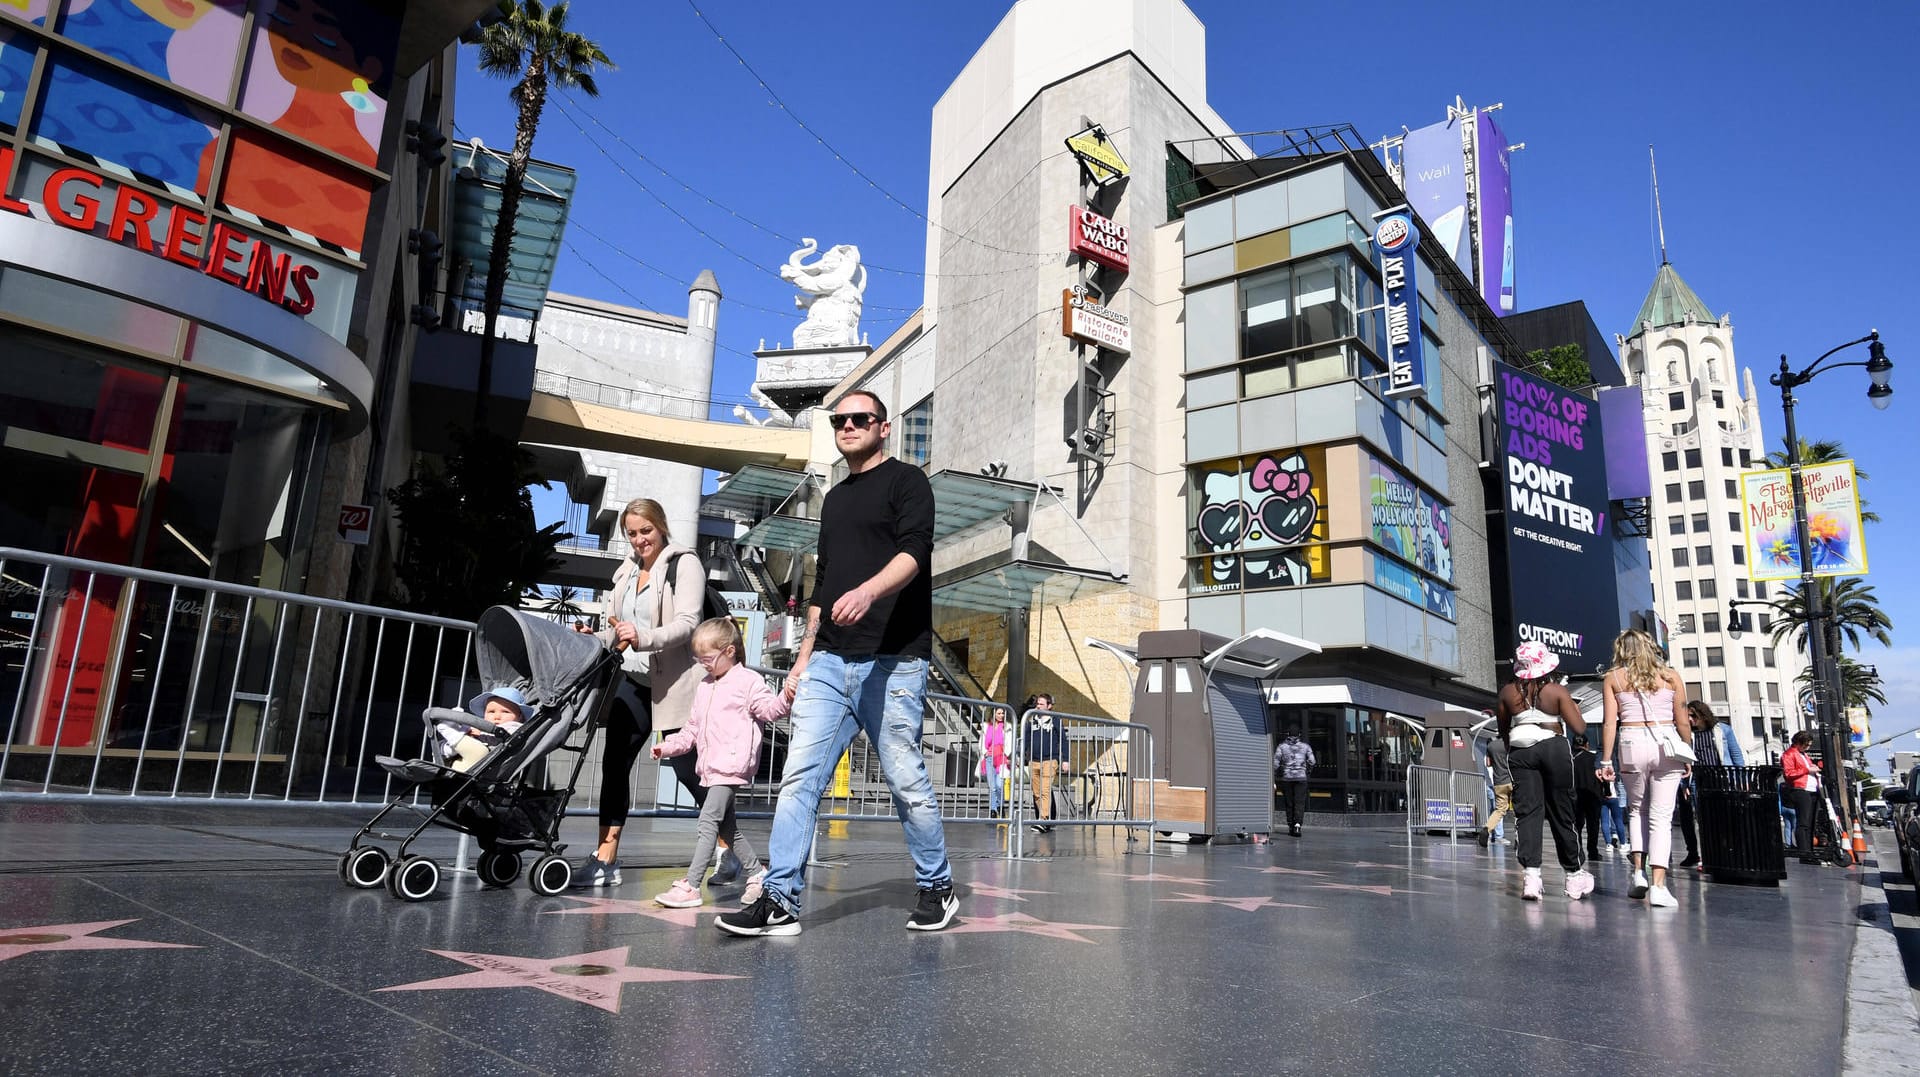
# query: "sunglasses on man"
[[859, 420]]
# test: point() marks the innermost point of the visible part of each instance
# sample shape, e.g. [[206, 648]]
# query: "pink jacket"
[[722, 726], [993, 746]]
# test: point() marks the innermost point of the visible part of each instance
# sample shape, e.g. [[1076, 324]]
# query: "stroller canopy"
[[518, 648]]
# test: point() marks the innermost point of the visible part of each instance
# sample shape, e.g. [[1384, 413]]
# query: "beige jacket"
[[675, 674]]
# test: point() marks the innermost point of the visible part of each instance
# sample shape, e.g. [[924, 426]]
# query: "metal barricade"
[[1100, 774], [1443, 799], [136, 684]]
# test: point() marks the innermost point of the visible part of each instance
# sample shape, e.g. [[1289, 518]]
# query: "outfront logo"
[[1393, 232]]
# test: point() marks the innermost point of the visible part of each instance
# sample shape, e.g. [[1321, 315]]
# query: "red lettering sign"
[[219, 250], [1093, 236]]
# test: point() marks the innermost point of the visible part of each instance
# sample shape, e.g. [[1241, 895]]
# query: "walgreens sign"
[[1090, 235], [86, 201]]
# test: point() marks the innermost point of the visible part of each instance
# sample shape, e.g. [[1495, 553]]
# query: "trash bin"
[[1738, 812]]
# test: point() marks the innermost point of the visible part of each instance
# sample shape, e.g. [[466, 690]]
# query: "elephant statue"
[[834, 284]]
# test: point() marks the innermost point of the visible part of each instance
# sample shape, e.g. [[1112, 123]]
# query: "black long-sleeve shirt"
[[868, 519]]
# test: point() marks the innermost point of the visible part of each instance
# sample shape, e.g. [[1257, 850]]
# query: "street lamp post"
[[1826, 694]]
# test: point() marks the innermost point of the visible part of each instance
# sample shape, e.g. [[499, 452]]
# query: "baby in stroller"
[[504, 708]]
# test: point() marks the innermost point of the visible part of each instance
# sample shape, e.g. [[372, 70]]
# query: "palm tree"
[[1851, 605], [1859, 685], [532, 46], [1820, 452]]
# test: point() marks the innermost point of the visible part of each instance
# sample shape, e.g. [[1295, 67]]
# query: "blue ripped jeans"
[[883, 696]]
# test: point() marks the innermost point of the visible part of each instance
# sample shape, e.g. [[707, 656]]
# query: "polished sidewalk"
[[222, 941]]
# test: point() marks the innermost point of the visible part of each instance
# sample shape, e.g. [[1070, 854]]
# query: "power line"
[[781, 104]]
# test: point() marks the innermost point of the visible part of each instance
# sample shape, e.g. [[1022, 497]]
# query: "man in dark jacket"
[[1293, 762], [1046, 757]]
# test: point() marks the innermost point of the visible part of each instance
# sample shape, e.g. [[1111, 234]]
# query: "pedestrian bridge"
[[585, 415]]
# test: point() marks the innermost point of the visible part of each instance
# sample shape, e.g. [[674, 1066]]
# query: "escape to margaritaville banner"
[[1833, 522]]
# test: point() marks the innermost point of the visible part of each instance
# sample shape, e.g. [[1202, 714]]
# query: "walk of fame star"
[[1002, 892], [1287, 871], [594, 978], [1021, 924], [630, 907], [1384, 891], [18, 941], [1244, 904], [1155, 877]]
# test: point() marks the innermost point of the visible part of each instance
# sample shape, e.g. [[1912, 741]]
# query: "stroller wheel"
[[550, 875], [414, 879], [498, 867], [365, 867]]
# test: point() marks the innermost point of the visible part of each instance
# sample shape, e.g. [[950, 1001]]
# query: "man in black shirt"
[[862, 666]]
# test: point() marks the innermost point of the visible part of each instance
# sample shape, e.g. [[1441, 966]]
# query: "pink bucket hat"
[[1532, 661]]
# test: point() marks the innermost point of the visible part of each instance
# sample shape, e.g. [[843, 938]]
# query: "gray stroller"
[[507, 801]]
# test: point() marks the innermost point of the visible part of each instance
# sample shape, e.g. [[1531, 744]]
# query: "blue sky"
[[1784, 136]]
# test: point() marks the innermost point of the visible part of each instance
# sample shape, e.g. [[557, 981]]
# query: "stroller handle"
[[452, 716]]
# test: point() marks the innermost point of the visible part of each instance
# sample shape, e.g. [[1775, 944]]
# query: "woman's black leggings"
[[1543, 792], [626, 735]]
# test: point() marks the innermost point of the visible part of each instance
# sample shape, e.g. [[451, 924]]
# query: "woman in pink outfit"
[[1646, 717], [729, 706], [993, 760]]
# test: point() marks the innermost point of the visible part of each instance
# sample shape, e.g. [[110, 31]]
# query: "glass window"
[[1268, 376], [1319, 235], [1693, 457], [1699, 521], [915, 427], [1710, 622], [1740, 587], [1766, 625], [1210, 225], [1693, 690], [1703, 555], [1733, 521], [1733, 488], [1679, 557], [110, 116], [1212, 326], [1673, 491], [1716, 657], [1323, 317], [1719, 399], [1260, 210], [1685, 623], [1739, 555], [1319, 366], [196, 50], [1726, 457], [1266, 319], [16, 67], [1753, 691], [1753, 657], [1689, 656], [1760, 589], [1773, 691], [1669, 461], [1717, 692], [1683, 590], [1676, 402], [1708, 588], [1677, 525], [1697, 490], [1746, 458]]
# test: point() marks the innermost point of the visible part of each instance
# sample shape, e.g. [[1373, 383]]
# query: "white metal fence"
[[1438, 799]]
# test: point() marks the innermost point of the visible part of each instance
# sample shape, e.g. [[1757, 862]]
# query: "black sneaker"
[[764, 917], [1482, 837], [935, 910], [1039, 828]]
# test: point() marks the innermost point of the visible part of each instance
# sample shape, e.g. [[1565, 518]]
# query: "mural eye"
[[1220, 525]]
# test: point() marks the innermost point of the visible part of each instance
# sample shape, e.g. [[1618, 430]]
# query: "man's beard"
[[855, 459]]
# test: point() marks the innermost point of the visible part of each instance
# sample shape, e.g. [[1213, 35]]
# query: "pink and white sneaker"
[[1531, 889], [681, 895], [1580, 884], [756, 885]]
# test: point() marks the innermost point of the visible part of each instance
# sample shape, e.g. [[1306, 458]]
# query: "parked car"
[[1904, 802]]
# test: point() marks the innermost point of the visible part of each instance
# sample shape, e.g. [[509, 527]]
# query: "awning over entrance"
[[752, 492], [1347, 691], [962, 501], [1021, 585], [791, 533]]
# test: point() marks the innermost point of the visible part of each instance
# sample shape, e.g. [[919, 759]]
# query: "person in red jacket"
[[1803, 784]]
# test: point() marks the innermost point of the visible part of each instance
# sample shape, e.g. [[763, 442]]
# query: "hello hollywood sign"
[[86, 201]]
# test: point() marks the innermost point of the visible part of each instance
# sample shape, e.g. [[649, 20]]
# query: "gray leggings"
[[717, 819]]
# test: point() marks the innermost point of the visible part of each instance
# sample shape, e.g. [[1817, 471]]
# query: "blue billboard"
[[1433, 171], [1397, 241]]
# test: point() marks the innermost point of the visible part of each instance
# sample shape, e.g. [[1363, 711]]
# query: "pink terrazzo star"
[[1154, 877], [1244, 904], [629, 907], [1020, 923], [1288, 871], [19, 941], [1384, 891], [594, 978], [1002, 892]]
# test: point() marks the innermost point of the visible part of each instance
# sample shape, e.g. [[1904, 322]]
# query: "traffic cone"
[[1859, 842]]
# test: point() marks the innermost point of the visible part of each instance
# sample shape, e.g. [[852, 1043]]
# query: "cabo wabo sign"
[[87, 201], [1834, 536]]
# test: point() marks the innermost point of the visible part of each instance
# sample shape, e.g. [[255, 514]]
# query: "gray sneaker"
[[596, 872], [726, 867]]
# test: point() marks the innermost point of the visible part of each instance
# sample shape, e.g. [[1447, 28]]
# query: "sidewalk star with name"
[[1287, 871], [1244, 904], [1022, 924], [1155, 877], [1004, 893], [630, 907], [19, 941], [594, 978]]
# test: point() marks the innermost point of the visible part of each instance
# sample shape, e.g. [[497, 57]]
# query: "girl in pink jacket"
[[729, 706]]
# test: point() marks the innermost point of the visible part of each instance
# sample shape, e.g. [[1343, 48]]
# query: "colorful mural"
[[1254, 521], [1408, 521], [192, 43]]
